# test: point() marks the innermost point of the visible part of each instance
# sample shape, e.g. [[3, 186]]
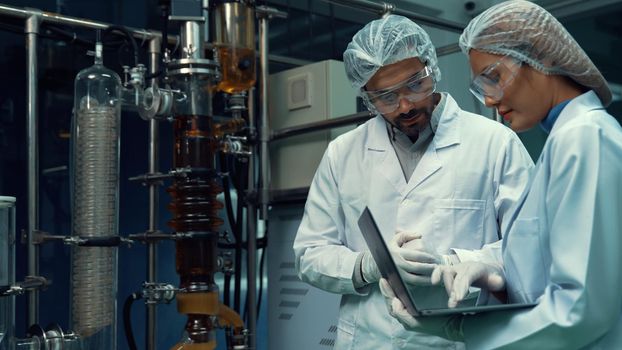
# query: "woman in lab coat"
[[563, 250]]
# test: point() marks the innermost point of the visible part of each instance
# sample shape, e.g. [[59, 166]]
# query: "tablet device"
[[389, 271]]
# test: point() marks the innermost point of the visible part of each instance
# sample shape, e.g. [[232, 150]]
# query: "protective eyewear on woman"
[[496, 77], [415, 88]]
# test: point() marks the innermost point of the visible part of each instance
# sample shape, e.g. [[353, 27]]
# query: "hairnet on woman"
[[563, 249], [528, 33]]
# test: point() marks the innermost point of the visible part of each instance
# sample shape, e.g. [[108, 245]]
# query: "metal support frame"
[[264, 125], [154, 138], [264, 186], [265, 14], [251, 292], [32, 110], [251, 237], [55, 18]]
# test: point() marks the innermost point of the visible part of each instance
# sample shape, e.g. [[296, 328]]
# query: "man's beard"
[[413, 131]]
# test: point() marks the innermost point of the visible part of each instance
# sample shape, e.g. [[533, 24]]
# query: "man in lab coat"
[[423, 166]]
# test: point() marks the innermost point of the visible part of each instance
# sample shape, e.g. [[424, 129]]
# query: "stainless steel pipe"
[[264, 125], [154, 138], [32, 110], [264, 186], [192, 40], [56, 18], [251, 237]]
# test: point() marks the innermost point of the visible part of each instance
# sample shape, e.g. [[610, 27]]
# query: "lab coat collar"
[[383, 157], [447, 133], [576, 108], [387, 164], [378, 140]]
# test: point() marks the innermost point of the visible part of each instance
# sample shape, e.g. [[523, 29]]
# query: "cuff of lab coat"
[[351, 265], [361, 287]]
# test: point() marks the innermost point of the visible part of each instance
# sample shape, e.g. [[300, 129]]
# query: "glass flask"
[[234, 39]]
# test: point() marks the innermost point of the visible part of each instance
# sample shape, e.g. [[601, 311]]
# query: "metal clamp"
[[200, 67], [154, 236], [150, 236], [52, 337], [40, 237], [225, 263], [157, 103], [134, 76], [237, 102], [193, 235], [175, 173], [158, 293], [269, 12], [235, 145], [29, 283], [33, 21], [238, 341], [152, 178]]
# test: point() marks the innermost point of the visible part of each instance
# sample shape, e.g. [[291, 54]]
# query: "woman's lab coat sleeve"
[[582, 300], [512, 170], [322, 259]]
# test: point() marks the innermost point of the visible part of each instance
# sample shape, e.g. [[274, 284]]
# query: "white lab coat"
[[564, 249], [465, 185]]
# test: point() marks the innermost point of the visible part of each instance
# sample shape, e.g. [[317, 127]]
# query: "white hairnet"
[[527, 32], [386, 41]]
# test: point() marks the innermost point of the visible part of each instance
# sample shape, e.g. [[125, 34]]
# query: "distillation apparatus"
[[198, 139], [215, 52]]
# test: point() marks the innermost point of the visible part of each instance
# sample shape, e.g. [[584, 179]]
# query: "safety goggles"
[[496, 77], [415, 88]]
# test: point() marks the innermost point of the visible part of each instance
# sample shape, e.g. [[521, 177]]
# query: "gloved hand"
[[458, 278], [412, 257], [449, 327], [369, 269]]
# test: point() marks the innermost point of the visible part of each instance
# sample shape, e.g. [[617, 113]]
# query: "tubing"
[[127, 320]]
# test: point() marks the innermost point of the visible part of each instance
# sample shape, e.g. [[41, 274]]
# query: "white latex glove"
[[458, 278], [369, 269], [449, 327], [413, 257]]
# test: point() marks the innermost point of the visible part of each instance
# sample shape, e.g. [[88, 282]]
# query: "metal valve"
[[158, 293]]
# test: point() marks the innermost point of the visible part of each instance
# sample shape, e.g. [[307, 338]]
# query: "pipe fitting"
[[33, 22]]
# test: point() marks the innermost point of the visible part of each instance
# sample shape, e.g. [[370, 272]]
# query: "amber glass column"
[[195, 210]]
